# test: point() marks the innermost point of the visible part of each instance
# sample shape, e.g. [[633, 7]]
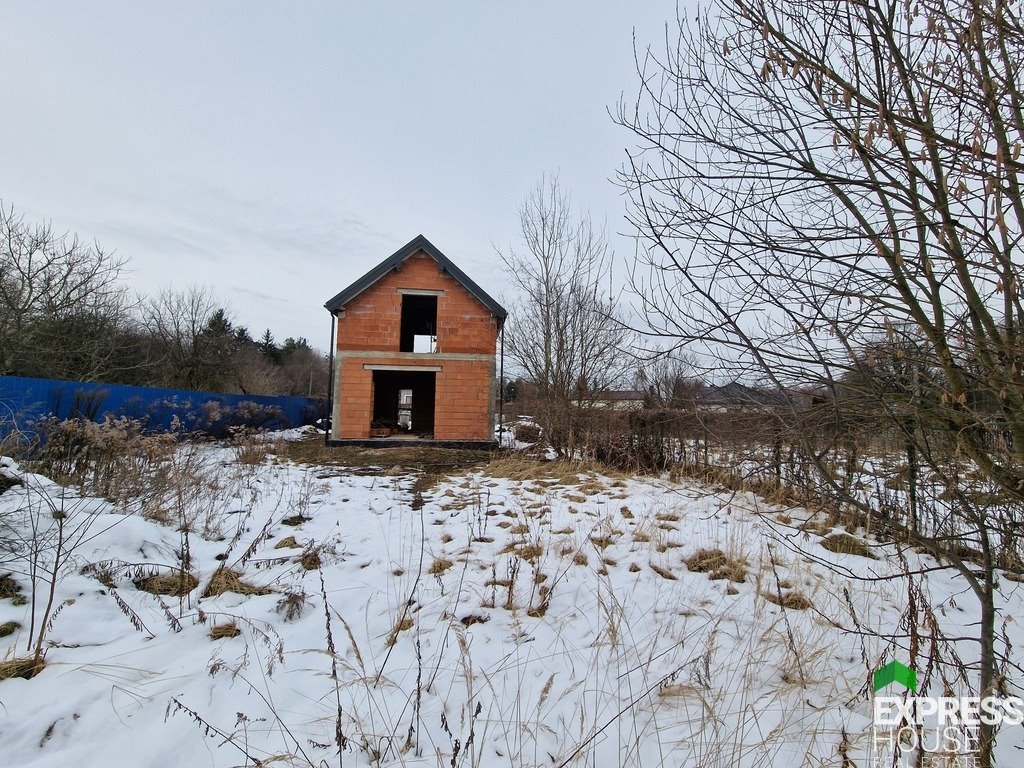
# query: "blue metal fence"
[[24, 401]]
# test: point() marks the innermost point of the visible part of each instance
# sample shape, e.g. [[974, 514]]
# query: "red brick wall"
[[464, 401], [354, 399], [371, 320]]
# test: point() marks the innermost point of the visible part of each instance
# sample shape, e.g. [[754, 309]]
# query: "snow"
[[447, 642]]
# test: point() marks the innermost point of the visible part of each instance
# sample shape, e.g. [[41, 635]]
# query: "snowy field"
[[514, 614]]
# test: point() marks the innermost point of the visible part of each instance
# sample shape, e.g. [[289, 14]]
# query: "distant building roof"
[[619, 394], [394, 261], [735, 393]]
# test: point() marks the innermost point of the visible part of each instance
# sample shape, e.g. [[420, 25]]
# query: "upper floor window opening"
[[419, 324]]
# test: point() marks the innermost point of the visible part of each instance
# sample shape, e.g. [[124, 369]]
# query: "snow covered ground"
[[501, 616]]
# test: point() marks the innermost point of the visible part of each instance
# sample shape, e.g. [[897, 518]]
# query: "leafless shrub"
[[565, 332], [249, 446], [115, 459], [292, 604], [526, 432], [861, 267]]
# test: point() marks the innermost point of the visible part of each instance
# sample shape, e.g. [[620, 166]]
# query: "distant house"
[[619, 399], [736, 396], [415, 352]]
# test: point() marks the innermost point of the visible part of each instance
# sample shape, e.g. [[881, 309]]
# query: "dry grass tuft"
[[817, 526], [223, 631], [403, 625], [845, 544], [291, 605], [793, 600], [288, 543], [9, 628], [440, 565], [176, 584], [665, 573], [250, 447], [24, 668], [579, 558], [591, 486], [717, 565], [9, 588], [529, 551], [310, 559], [371, 460], [296, 520], [226, 580], [677, 690], [523, 469]]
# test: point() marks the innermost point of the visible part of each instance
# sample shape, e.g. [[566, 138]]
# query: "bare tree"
[[62, 305], [256, 374], [667, 381], [564, 331], [304, 369], [830, 196], [179, 323]]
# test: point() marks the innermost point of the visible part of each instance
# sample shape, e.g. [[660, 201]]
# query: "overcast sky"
[[276, 151]]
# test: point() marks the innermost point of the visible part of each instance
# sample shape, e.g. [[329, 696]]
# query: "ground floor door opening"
[[403, 403]]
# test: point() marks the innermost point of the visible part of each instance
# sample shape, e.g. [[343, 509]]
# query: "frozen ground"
[[505, 616]]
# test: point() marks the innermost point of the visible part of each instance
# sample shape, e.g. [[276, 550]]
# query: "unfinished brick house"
[[414, 353]]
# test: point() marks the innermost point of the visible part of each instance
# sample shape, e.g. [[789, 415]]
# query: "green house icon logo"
[[895, 672]]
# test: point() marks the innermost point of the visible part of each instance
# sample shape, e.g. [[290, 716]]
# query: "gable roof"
[[394, 261]]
